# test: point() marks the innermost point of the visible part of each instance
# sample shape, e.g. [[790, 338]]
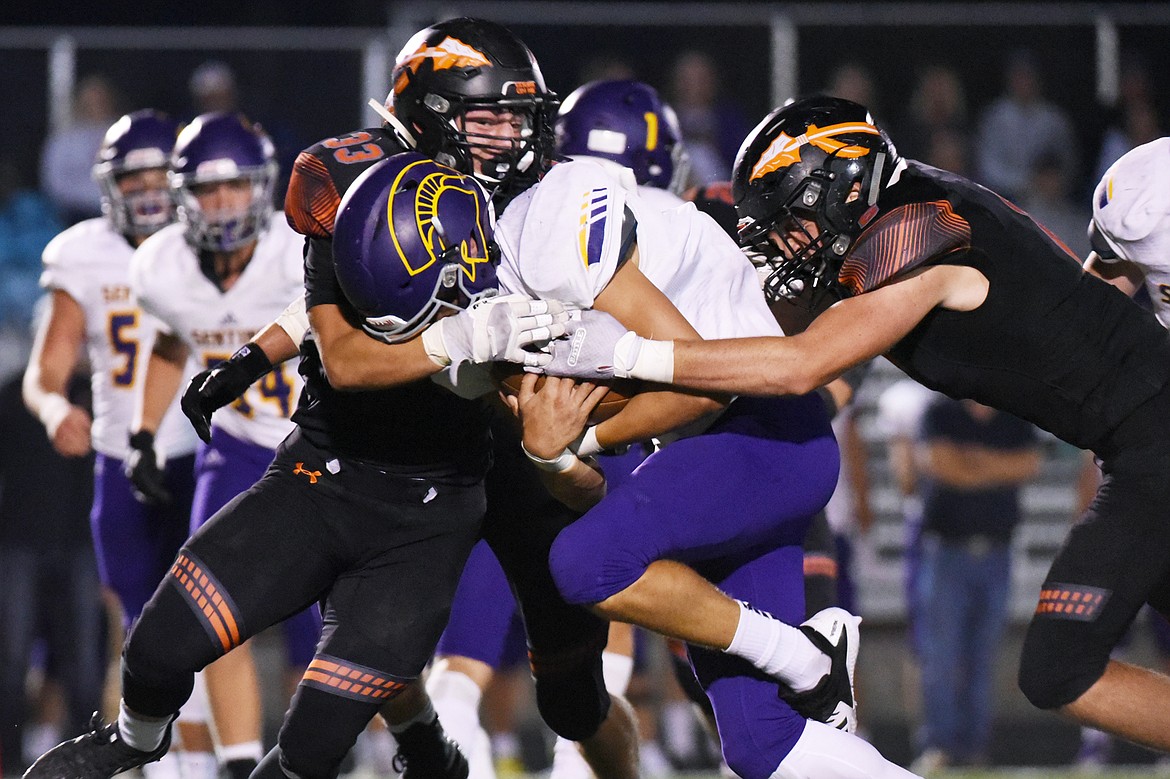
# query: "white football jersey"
[[1131, 211], [562, 239], [170, 284], [90, 262]]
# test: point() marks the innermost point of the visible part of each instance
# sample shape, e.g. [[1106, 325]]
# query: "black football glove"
[[212, 389], [147, 481]]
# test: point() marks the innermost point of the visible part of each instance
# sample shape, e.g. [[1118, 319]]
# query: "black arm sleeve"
[[321, 285]]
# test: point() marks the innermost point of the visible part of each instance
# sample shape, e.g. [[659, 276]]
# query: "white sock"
[[778, 650], [195, 765], [426, 715], [171, 767], [568, 763], [616, 669], [823, 752], [245, 750], [456, 698], [141, 733], [678, 729]]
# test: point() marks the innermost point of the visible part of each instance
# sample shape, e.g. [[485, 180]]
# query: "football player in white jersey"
[[1130, 230], [213, 280], [87, 274], [724, 511], [622, 124]]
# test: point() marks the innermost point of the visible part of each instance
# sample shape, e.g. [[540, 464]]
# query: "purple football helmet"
[[627, 122], [412, 238], [139, 141], [223, 147]]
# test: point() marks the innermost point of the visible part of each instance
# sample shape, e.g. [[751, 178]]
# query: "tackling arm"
[[635, 302]]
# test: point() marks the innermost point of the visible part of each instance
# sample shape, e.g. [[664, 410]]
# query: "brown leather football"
[[509, 375]]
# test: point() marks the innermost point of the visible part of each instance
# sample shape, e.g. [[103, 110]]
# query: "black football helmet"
[[465, 64], [821, 159]]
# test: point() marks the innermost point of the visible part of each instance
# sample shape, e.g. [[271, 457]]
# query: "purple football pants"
[[485, 624], [135, 543], [733, 503]]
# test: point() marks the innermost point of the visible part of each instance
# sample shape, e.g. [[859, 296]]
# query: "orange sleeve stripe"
[[311, 202]]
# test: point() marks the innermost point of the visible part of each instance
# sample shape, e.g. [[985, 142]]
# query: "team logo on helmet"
[[433, 188], [450, 53], [785, 150]]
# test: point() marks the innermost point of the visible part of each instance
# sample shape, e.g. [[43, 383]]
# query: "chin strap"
[[404, 135]]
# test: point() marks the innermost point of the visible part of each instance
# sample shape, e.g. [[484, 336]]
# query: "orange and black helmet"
[[464, 64], [819, 159]]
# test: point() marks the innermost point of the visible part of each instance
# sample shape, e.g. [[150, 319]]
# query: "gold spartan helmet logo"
[[433, 187], [450, 53], [785, 150]]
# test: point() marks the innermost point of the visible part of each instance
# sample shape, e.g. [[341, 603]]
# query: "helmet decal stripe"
[[651, 130], [785, 150], [426, 208], [450, 53]]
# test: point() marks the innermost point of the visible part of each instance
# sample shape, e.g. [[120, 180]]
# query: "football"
[[509, 375]]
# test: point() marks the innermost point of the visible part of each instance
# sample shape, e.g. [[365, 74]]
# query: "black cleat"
[[98, 754], [425, 752], [834, 632]]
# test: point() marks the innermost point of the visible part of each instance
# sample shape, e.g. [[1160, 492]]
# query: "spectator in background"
[[606, 66], [1048, 200], [1133, 119], [27, 222], [48, 575], [853, 81], [213, 88], [935, 130], [900, 407], [974, 461], [67, 158], [712, 128], [1018, 128]]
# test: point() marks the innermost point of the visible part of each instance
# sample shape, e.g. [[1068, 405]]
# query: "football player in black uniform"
[[971, 297], [468, 93]]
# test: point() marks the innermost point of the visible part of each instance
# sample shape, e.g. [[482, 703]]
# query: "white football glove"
[[599, 347], [496, 329]]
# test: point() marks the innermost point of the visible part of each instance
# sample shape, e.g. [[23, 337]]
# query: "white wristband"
[[563, 462], [54, 408], [587, 445], [432, 341], [294, 321], [635, 357]]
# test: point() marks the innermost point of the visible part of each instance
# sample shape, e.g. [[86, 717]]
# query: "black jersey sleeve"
[[321, 285]]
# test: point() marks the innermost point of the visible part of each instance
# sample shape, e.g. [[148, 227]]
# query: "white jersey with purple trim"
[[562, 240], [1131, 211], [170, 284], [90, 262]]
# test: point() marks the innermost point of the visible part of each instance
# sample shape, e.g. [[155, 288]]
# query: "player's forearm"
[[276, 344], [354, 361], [580, 487], [654, 413], [747, 366], [160, 384]]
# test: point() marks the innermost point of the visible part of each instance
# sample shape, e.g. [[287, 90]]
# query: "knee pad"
[[570, 692], [1060, 661]]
